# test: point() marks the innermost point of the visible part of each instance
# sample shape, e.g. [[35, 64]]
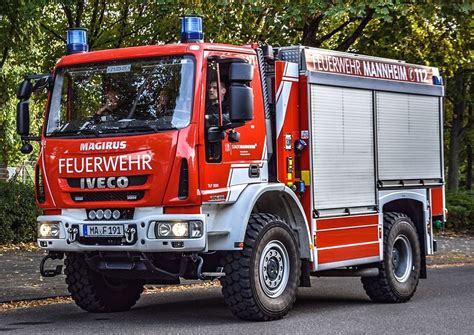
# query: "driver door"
[[229, 166]]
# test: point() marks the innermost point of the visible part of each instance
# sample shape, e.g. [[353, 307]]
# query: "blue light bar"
[[191, 29], [437, 80], [76, 41]]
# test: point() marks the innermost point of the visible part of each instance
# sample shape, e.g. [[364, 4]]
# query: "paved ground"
[[454, 249], [21, 280], [441, 305], [20, 277]]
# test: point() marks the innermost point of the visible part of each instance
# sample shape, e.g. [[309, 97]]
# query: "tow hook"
[[130, 234], [51, 272], [73, 233]]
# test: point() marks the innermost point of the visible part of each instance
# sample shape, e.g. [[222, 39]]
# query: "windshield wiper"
[[90, 131], [59, 132], [144, 127]]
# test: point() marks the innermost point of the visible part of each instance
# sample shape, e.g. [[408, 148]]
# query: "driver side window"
[[216, 109]]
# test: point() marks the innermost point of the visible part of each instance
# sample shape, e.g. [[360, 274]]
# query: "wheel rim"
[[402, 258], [114, 284], [274, 269]]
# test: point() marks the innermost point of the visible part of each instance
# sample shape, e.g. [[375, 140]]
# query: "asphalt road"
[[20, 278], [444, 303]]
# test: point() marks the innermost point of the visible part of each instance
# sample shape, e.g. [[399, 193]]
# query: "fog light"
[[107, 214], [54, 230], [164, 229], [195, 229], [116, 214], [48, 229], [100, 214], [180, 229]]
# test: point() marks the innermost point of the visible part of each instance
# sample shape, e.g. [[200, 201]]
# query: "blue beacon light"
[[191, 29], [76, 41], [437, 80]]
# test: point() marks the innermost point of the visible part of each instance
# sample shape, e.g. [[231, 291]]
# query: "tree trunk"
[[3, 156], [456, 130], [310, 30], [470, 124], [469, 167]]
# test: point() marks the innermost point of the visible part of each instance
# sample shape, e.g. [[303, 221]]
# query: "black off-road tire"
[[95, 293], [398, 229], [242, 285]]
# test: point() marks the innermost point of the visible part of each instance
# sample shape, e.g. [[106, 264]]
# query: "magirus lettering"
[[103, 145], [104, 182]]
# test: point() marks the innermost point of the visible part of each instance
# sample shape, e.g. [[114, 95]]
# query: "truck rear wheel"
[[261, 280], [95, 293], [400, 269]]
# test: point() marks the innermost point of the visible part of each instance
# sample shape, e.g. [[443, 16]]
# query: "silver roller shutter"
[[342, 144], [408, 136]]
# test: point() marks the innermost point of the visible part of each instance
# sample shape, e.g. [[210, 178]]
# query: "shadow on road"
[[331, 305]]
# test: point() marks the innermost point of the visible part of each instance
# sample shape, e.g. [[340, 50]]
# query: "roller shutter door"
[[342, 144], [408, 137]]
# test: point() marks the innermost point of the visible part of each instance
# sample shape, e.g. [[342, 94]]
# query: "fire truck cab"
[[257, 166]]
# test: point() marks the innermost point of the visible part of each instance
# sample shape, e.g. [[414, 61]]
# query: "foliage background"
[[18, 212], [436, 33]]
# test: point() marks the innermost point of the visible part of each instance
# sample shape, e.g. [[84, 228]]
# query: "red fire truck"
[[260, 167]]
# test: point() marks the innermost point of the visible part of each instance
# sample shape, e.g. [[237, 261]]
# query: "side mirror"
[[23, 93], [26, 148], [42, 83], [240, 72], [24, 90], [240, 103], [23, 118], [240, 95], [215, 134]]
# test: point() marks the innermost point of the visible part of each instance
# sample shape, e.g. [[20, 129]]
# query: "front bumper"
[[145, 240]]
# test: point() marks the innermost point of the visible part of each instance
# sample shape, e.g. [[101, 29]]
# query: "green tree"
[[437, 34], [433, 33], [18, 29]]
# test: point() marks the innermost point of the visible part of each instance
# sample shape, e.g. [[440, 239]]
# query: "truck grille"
[[107, 196]]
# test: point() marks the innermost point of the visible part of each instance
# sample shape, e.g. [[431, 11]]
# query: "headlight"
[[178, 229], [48, 229]]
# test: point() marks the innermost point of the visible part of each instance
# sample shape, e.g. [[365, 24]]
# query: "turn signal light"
[[39, 182]]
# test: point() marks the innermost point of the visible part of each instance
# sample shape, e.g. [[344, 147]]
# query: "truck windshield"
[[122, 97]]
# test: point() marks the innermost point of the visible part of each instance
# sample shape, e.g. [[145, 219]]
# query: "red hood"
[[78, 169]]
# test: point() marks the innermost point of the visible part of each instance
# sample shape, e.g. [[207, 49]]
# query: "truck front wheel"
[[399, 272], [95, 293], [261, 280]]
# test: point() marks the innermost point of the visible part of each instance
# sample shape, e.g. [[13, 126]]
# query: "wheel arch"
[[286, 205], [414, 205], [276, 199]]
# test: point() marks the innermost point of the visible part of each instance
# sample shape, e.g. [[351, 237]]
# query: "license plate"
[[102, 230]]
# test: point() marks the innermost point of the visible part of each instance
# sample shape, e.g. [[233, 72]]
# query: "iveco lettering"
[[254, 165]]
